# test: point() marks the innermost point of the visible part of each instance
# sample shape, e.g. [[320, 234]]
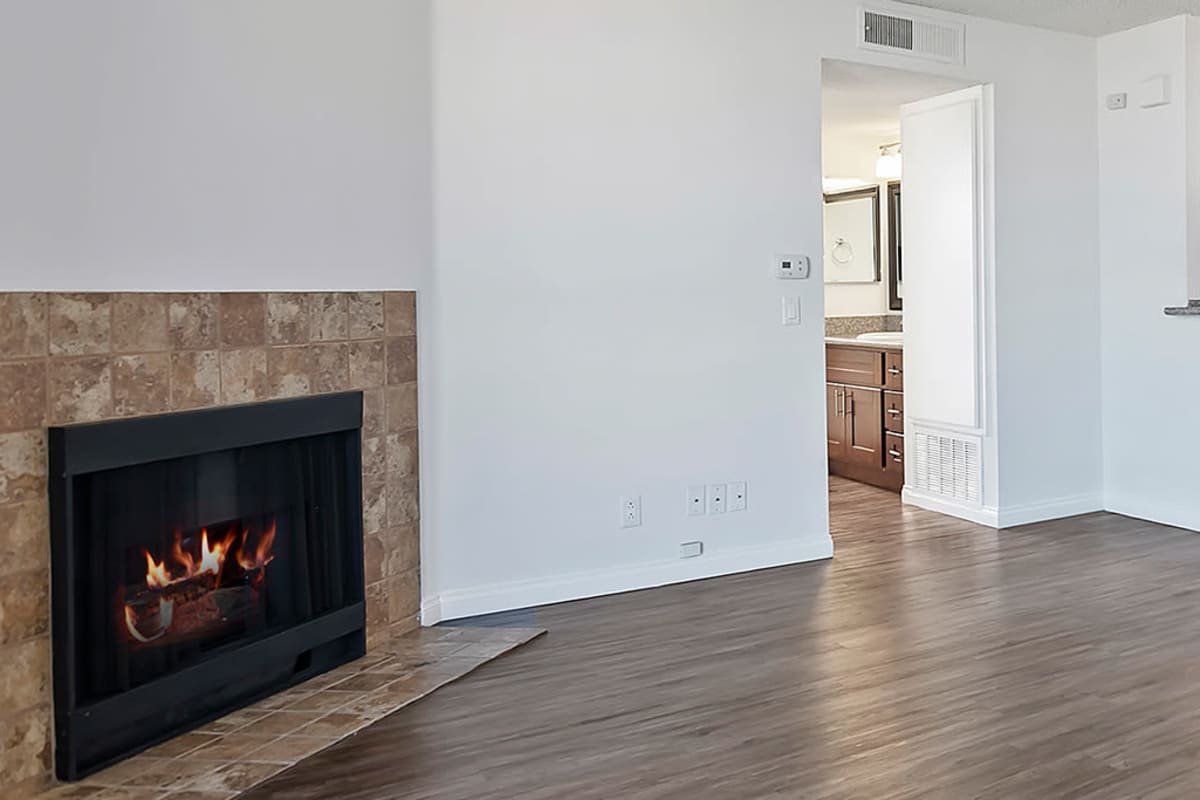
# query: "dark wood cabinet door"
[[864, 428], [835, 420]]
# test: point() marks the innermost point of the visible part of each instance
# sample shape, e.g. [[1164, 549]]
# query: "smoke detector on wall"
[[912, 35]]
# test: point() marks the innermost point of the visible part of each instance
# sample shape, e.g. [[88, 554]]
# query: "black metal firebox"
[[200, 561]]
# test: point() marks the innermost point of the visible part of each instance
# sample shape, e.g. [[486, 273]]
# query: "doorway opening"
[[906, 181]]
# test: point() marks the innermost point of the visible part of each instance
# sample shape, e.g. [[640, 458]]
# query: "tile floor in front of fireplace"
[[226, 757]]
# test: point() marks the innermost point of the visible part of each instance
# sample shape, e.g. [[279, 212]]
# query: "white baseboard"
[[1175, 516], [1058, 508], [495, 597], [980, 515]]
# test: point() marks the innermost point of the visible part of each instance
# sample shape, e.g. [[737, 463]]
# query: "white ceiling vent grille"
[[910, 35], [946, 466]]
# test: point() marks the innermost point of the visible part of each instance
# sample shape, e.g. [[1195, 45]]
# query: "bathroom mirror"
[[852, 236]]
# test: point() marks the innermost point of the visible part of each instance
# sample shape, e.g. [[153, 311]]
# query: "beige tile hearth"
[[228, 756]]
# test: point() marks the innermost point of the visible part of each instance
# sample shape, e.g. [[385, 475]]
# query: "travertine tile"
[[80, 389], [139, 323], [331, 367], [24, 605], [404, 595], [25, 745], [323, 701], [24, 530], [288, 750], [374, 460], [374, 507], [401, 360], [364, 682], [287, 318], [243, 319], [366, 315], [141, 384], [404, 548], [402, 455], [366, 364], [279, 723], [401, 407], [80, 323], [400, 309], [25, 679], [373, 412], [24, 324], [195, 379], [193, 320], [22, 394], [244, 375], [377, 606], [403, 502], [289, 371], [333, 726], [330, 316], [232, 746], [237, 777], [182, 745]]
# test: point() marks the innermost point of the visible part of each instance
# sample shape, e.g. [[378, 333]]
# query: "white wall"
[[223, 144], [612, 177], [1150, 382], [848, 156]]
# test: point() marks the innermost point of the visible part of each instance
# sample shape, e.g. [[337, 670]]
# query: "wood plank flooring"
[[930, 659]]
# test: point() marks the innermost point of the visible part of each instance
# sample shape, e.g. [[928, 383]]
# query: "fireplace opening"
[[200, 561]]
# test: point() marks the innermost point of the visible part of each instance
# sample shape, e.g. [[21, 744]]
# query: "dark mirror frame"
[[872, 193], [895, 268]]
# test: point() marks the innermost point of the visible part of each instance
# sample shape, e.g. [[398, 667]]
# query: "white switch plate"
[[792, 267], [737, 496], [691, 549], [716, 498], [695, 501], [791, 311], [631, 511]]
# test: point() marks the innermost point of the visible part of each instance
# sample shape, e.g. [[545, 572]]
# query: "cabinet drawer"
[[893, 369], [853, 366], [893, 412], [893, 454]]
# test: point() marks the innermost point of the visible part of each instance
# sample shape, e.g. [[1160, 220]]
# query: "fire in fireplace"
[[200, 561], [200, 587]]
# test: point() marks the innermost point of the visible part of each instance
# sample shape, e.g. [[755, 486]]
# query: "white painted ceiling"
[[864, 101], [1090, 17]]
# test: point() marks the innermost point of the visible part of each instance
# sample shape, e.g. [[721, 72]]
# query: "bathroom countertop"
[[841, 342], [1192, 309]]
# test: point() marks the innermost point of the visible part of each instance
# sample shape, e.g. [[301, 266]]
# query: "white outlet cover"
[[631, 511], [737, 496], [716, 498], [695, 501], [691, 549]]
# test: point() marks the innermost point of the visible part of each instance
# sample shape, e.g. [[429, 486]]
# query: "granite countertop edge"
[[1192, 309], [863, 345]]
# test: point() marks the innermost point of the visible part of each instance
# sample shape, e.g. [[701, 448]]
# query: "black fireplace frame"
[[316, 646]]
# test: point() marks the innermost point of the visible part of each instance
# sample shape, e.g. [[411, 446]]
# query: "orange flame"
[[211, 557], [262, 553]]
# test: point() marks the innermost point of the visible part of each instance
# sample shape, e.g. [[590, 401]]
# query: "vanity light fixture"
[[887, 168]]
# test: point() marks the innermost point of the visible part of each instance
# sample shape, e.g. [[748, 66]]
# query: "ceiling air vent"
[[910, 35]]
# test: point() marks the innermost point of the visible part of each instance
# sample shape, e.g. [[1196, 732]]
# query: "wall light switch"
[[791, 311], [792, 267]]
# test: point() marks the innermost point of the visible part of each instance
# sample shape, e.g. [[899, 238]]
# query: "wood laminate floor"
[[930, 659]]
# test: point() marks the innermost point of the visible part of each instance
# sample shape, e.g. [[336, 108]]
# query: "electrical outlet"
[[695, 501], [716, 498], [691, 549], [631, 511], [737, 496]]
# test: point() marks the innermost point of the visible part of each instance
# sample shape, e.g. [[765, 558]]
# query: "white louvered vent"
[[919, 37], [946, 466]]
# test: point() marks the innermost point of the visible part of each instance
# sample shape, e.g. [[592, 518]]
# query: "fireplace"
[[200, 561]]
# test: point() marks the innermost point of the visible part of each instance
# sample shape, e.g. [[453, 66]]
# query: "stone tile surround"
[[71, 358], [853, 326], [235, 753]]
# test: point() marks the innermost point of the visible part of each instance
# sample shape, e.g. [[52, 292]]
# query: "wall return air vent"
[[913, 36], [946, 466]]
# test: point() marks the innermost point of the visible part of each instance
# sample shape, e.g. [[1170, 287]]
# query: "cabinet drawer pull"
[[893, 371], [895, 412], [896, 454]]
